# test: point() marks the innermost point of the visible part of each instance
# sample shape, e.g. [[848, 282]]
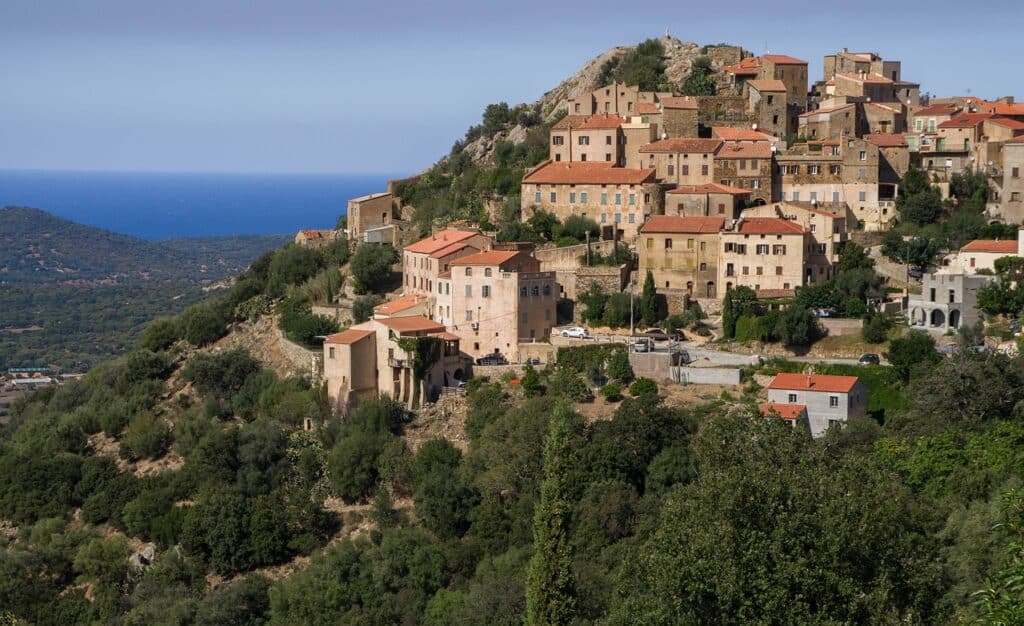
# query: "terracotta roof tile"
[[767, 85], [679, 102], [647, 108], [682, 145], [767, 226], [784, 411], [398, 305], [682, 224], [602, 122], [1008, 246], [744, 150], [709, 188], [1007, 122], [740, 134], [583, 173], [887, 140], [412, 323], [439, 240], [491, 257], [1001, 108], [349, 336], [783, 59], [814, 382], [876, 79], [569, 121], [965, 120], [746, 66], [937, 110], [450, 249]]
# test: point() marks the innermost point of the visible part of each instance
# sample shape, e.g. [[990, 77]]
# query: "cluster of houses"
[[759, 185]]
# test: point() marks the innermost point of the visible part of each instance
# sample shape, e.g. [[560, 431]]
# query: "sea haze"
[[161, 205]]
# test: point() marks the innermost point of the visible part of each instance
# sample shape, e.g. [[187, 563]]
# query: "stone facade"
[[609, 279], [682, 253], [763, 253], [747, 166], [370, 212], [1009, 199], [844, 170], [946, 302]]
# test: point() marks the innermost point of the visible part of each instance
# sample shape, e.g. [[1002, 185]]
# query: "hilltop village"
[[760, 186]]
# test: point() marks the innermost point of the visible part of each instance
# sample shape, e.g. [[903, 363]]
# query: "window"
[[604, 218], [583, 157], [583, 197], [743, 164], [572, 197], [607, 156], [730, 270], [604, 198], [522, 292], [814, 196], [814, 227], [833, 401], [779, 248], [813, 169], [760, 270], [702, 245], [703, 267], [917, 124], [536, 197], [535, 291], [469, 271], [931, 125], [1014, 196], [796, 196], [863, 156], [618, 200], [686, 170], [632, 218], [755, 184], [618, 217], [703, 170], [583, 140], [469, 291], [469, 316], [778, 271], [762, 248], [487, 271], [671, 170], [746, 270], [1015, 172], [547, 289], [554, 197], [557, 140], [668, 243], [632, 198], [792, 398], [608, 139], [862, 196], [835, 196], [330, 352], [485, 291], [952, 296]]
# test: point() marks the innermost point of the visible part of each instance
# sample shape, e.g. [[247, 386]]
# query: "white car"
[[576, 332]]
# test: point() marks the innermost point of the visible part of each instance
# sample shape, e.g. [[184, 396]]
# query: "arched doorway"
[[689, 287], [954, 318], [711, 289], [938, 318]]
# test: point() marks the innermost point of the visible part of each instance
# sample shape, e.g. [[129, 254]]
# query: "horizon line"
[[200, 172]]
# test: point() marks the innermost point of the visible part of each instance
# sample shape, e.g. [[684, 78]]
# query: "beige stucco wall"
[[778, 269], [694, 168], [630, 215], [369, 213], [350, 372], [687, 261]]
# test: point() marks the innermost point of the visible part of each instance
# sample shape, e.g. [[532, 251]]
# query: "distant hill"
[[38, 248]]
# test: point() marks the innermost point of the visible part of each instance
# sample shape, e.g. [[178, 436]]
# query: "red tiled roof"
[[709, 188], [767, 85], [450, 249], [1001, 108], [569, 121], [769, 294], [991, 245], [785, 411], [349, 336], [877, 79], [814, 382], [412, 323], [1016, 140], [1007, 122], [602, 121], [937, 110], [491, 257], [647, 108], [439, 241], [744, 150], [682, 145], [782, 59], [833, 109], [887, 140], [740, 134], [399, 304], [965, 120], [447, 336], [316, 234], [746, 66], [767, 226], [678, 102], [583, 173], [682, 224]]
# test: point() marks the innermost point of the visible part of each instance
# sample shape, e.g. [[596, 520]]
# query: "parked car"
[[868, 359], [658, 334], [576, 332], [822, 312], [641, 345], [915, 272], [492, 359], [534, 361]]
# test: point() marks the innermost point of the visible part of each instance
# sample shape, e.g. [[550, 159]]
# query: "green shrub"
[[203, 324], [147, 436], [160, 334], [611, 392], [643, 386], [371, 266], [362, 307]]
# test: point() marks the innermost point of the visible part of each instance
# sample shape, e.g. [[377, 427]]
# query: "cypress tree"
[[550, 586], [648, 301], [728, 317]]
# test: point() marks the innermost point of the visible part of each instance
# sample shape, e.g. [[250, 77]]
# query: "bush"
[[619, 367], [643, 386], [291, 265], [203, 324], [876, 328], [371, 266], [160, 334], [220, 375], [362, 307], [147, 436], [611, 392], [568, 384]]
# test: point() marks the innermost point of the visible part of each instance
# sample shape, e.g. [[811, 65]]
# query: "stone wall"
[[705, 375], [724, 55], [723, 111], [610, 279], [568, 257], [537, 350], [307, 362], [838, 327]]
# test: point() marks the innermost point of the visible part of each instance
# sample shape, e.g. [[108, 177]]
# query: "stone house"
[[827, 227], [830, 400], [767, 102], [679, 117], [709, 200], [424, 260], [745, 135], [762, 253], [500, 298], [637, 132], [311, 238], [893, 161], [832, 120], [843, 170], [871, 87], [746, 165], [681, 253], [376, 211], [1007, 193], [615, 99], [366, 362], [618, 198], [946, 302], [883, 118], [594, 138], [687, 161], [846, 62]]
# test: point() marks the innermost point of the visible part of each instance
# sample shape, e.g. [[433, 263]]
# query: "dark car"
[[869, 359], [492, 359], [915, 272], [658, 334]]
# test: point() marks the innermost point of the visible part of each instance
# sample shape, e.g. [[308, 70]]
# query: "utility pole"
[[588, 248]]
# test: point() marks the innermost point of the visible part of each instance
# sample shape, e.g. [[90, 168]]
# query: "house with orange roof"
[[368, 361], [681, 161], [981, 254], [792, 72], [619, 199], [681, 252], [708, 200], [424, 260], [403, 306], [764, 253], [793, 415], [868, 85], [746, 165], [499, 299], [846, 62], [923, 125], [828, 228], [593, 138], [829, 400]]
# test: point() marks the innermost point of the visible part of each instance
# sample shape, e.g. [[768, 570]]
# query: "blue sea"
[[161, 205]]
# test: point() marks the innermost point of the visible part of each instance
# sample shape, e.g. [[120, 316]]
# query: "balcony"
[[399, 363]]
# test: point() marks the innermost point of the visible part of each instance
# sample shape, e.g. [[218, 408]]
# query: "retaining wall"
[[705, 375]]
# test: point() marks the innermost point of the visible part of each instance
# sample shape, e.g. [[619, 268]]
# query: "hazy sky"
[[379, 86]]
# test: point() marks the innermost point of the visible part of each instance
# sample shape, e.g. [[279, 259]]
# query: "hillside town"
[[760, 186]]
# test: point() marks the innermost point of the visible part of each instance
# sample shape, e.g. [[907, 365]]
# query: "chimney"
[[808, 381]]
